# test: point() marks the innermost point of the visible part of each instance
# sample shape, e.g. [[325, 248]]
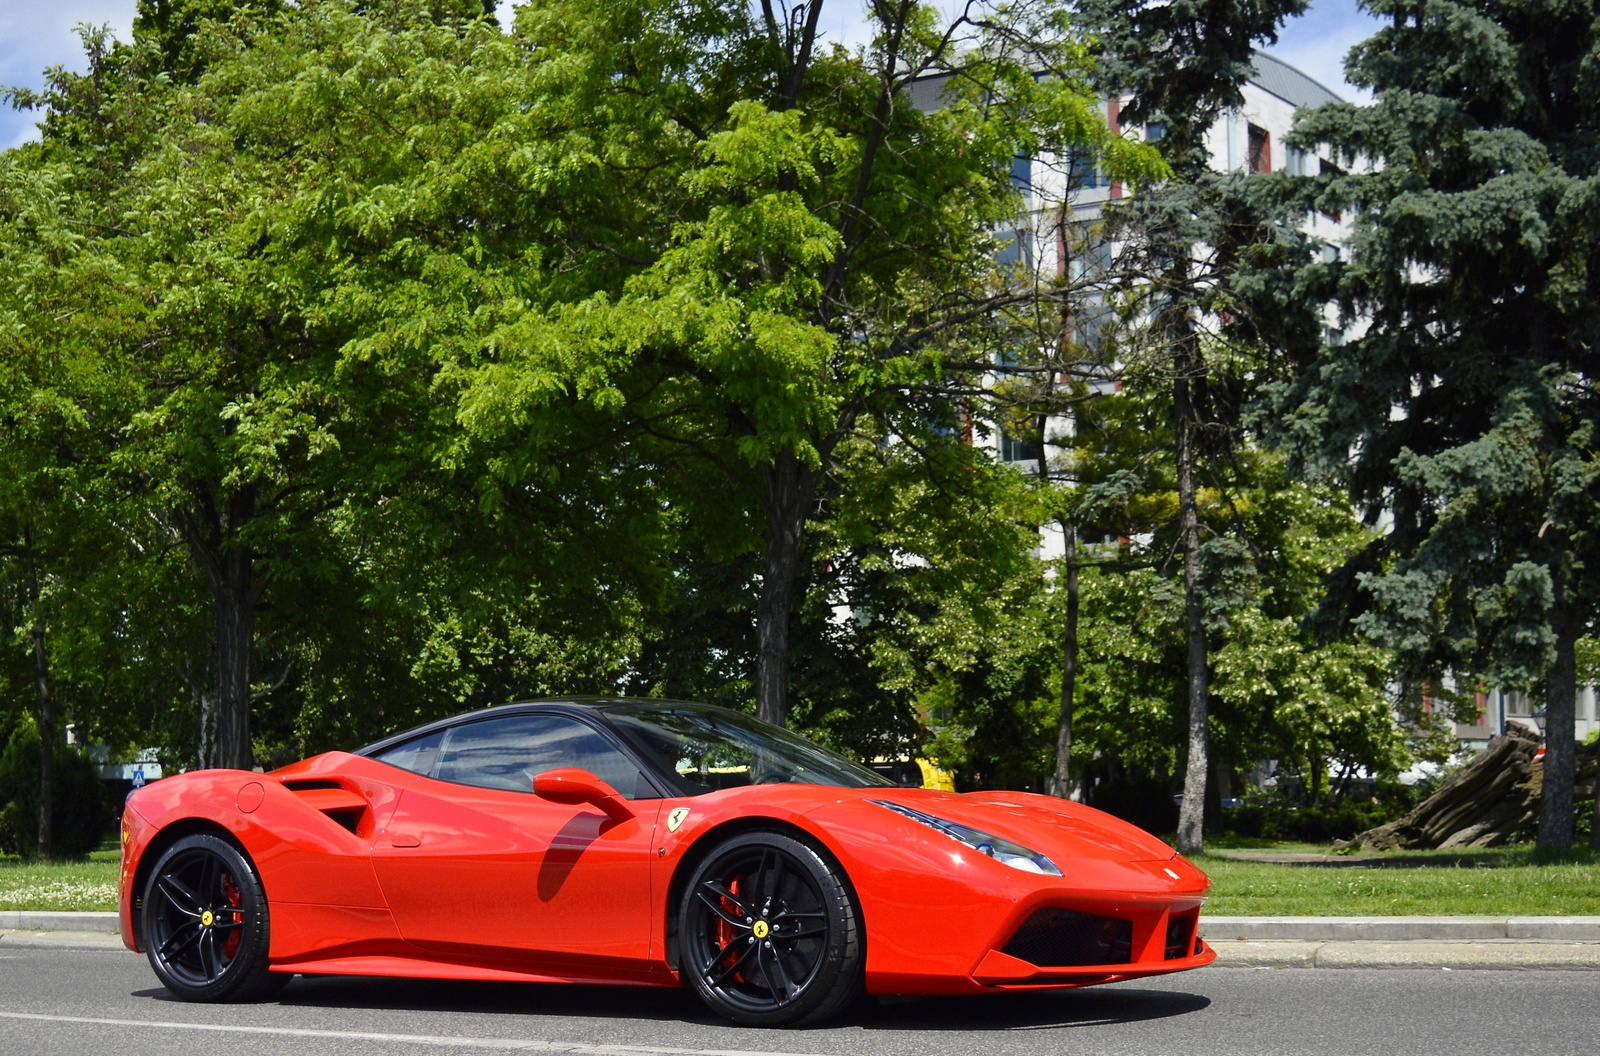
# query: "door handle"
[[404, 841]]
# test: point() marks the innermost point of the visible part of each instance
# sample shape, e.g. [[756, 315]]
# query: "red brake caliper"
[[725, 932], [230, 945]]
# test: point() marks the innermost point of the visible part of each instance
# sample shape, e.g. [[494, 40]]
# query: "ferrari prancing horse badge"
[[676, 818]]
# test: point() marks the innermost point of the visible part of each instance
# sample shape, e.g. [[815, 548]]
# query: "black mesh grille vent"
[[1064, 938], [1180, 929]]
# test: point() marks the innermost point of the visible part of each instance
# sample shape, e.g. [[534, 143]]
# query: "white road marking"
[[575, 1048]]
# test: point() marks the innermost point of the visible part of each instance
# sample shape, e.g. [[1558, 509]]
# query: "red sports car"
[[639, 841]]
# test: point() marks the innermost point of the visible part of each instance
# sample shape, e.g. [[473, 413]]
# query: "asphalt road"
[[81, 1001]]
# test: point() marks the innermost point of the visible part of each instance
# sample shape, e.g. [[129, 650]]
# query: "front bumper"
[[1096, 943]]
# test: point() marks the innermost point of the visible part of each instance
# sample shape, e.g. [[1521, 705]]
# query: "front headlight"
[[997, 847]]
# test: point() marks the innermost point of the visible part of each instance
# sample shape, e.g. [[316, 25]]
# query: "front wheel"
[[769, 934], [205, 923]]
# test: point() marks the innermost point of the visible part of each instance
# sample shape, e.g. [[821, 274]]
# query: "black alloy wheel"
[[768, 933], [205, 923]]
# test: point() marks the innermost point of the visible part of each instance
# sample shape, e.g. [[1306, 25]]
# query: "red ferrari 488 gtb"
[[645, 842]]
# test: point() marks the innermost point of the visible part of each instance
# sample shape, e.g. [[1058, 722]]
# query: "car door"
[[472, 862]]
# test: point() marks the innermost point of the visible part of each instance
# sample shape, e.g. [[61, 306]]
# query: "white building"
[[1497, 707]]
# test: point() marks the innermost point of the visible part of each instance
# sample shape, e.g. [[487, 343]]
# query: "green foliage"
[[462, 366], [1463, 403], [301, 258], [82, 810], [1273, 817], [179, 30]]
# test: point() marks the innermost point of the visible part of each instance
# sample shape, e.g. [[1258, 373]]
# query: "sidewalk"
[[1453, 943], [1449, 943], [68, 931]]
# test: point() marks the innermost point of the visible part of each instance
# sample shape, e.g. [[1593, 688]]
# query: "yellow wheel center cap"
[[760, 929], [206, 918]]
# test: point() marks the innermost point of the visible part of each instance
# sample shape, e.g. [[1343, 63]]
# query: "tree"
[[176, 29], [781, 245], [226, 302], [1466, 412], [1183, 64], [55, 403]]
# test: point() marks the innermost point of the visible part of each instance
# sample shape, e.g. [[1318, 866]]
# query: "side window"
[[507, 753], [417, 755]]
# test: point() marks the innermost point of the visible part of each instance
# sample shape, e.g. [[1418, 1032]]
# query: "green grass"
[[1511, 881], [83, 884]]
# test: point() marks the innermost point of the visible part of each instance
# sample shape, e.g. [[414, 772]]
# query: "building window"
[[1015, 450], [1015, 250], [1296, 162], [1083, 174], [1022, 175], [1089, 254], [1517, 702], [1260, 149]]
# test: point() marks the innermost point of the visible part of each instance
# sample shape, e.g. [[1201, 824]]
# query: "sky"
[[36, 34]]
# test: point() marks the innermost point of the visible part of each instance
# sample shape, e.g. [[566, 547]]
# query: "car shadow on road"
[[1038, 1010], [504, 999]]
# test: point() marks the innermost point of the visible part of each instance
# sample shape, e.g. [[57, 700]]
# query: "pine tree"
[[1466, 411], [1183, 63]]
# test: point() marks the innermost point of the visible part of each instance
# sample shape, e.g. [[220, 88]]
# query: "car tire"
[[769, 934], [206, 924]]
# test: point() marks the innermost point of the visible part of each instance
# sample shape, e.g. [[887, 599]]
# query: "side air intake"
[[345, 808]]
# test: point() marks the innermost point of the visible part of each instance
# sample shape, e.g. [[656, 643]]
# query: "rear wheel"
[[206, 929], [769, 933]]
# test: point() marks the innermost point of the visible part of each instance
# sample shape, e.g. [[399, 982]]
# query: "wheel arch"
[[158, 845], [708, 840]]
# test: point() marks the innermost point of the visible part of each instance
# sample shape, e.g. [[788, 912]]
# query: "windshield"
[[707, 749]]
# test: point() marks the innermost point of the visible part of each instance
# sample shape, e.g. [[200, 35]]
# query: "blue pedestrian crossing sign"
[[138, 778]]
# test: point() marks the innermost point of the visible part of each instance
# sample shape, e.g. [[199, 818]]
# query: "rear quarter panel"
[[302, 855]]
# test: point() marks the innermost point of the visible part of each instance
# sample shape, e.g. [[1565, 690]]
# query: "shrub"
[[82, 809], [1270, 817]]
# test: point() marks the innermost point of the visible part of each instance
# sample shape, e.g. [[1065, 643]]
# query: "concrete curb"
[[1502, 955], [35, 920], [63, 940], [1400, 929]]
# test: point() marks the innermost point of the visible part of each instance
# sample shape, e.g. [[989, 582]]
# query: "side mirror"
[[572, 785]]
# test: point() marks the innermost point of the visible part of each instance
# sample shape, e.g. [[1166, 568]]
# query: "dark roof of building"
[[1289, 84]]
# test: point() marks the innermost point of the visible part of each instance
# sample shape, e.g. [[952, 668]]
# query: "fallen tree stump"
[[1484, 803]]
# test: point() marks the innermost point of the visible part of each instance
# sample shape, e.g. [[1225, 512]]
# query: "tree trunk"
[[1061, 782], [1560, 748], [236, 618], [47, 733], [789, 489], [1191, 815], [211, 532]]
